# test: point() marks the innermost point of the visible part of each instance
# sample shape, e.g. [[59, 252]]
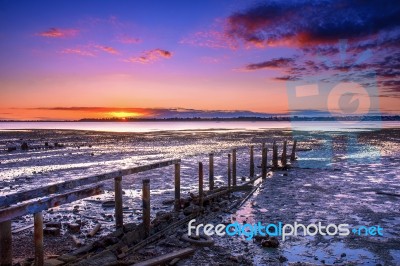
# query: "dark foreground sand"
[[341, 189]]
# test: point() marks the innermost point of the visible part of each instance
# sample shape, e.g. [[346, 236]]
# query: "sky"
[[67, 60]]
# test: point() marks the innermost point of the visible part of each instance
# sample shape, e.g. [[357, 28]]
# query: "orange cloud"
[[107, 49], [58, 33], [150, 56]]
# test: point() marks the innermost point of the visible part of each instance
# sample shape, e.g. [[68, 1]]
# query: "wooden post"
[[251, 161], [293, 155], [275, 155], [5, 243], [234, 167], [264, 163], [177, 186], [283, 158], [119, 215], [201, 184], [38, 238], [229, 173], [211, 171], [146, 206]]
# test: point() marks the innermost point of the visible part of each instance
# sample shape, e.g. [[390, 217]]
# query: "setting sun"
[[124, 114]]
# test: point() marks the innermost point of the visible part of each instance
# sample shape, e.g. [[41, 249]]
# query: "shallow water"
[[342, 187], [202, 125]]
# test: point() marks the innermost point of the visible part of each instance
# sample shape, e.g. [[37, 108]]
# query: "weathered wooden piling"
[[283, 157], [5, 243], [211, 171], [229, 173], [38, 238], [275, 155], [201, 184], [293, 155], [146, 206], [234, 168], [119, 215], [264, 163], [177, 204], [251, 161]]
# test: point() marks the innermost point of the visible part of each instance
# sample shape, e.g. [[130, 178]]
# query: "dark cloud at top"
[[340, 40], [274, 63], [305, 22]]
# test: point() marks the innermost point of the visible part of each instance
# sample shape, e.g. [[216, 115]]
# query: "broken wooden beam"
[[160, 260], [48, 202], [18, 197]]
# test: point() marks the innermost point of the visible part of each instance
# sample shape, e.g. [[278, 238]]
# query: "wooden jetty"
[[35, 201]]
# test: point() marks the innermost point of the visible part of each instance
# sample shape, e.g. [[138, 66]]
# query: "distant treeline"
[[271, 118], [247, 118]]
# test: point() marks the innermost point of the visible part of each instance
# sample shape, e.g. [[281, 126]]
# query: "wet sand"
[[343, 190]]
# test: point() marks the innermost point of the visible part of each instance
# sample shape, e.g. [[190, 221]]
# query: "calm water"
[[196, 125]]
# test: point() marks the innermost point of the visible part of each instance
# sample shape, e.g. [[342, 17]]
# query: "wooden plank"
[[5, 243], [201, 184], [119, 214], [23, 228], [146, 206], [229, 172], [38, 238], [388, 193], [62, 186], [293, 155], [211, 171], [177, 186], [167, 257], [264, 163], [251, 161], [48, 202], [234, 176]]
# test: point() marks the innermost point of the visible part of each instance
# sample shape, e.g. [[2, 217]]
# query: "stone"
[[74, 227], [270, 243], [191, 209], [51, 231], [282, 259], [24, 146], [53, 224], [168, 202]]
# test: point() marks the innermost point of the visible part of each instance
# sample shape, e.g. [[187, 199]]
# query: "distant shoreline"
[[217, 119]]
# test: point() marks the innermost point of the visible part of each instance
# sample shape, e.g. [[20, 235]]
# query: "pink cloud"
[[128, 40], [150, 56], [58, 33], [107, 49], [77, 51]]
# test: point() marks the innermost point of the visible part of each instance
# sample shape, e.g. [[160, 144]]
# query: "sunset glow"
[[209, 56], [124, 114]]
